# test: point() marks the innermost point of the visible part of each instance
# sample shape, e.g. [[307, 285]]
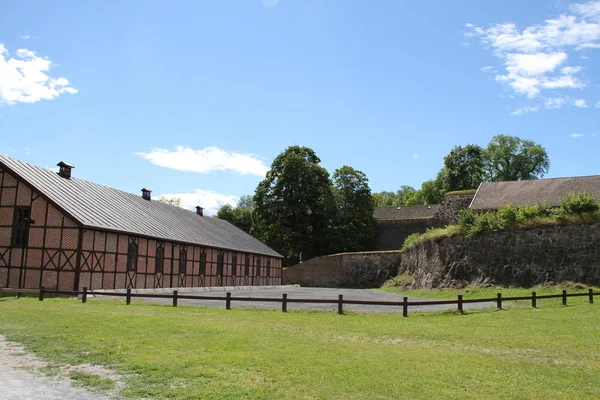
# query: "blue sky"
[[196, 98]]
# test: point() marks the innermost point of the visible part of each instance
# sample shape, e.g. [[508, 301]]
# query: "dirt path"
[[20, 377]]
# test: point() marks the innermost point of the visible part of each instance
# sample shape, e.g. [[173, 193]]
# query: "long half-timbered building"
[[61, 232]]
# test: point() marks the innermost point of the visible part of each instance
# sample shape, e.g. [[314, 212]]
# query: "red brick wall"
[[51, 257]]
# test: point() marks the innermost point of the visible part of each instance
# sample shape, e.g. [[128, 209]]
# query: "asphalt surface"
[[312, 293]]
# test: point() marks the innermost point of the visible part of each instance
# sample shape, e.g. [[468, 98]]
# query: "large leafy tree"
[[241, 215], [509, 158], [294, 204], [354, 224], [463, 168]]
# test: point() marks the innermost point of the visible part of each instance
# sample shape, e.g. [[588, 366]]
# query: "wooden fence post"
[[284, 303], [228, 301], [174, 298], [564, 297], [591, 295], [128, 297], [460, 303], [84, 295], [341, 304], [41, 293], [533, 300], [405, 307], [499, 301]]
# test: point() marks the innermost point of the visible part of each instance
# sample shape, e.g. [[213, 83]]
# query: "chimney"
[[146, 194], [64, 170], [199, 211]]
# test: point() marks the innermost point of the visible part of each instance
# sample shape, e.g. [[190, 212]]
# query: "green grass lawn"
[[191, 352], [489, 292]]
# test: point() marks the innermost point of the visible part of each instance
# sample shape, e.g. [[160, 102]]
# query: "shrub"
[[579, 203], [488, 222], [507, 215], [535, 211], [466, 218]]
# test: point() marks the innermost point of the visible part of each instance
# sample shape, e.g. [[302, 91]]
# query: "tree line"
[[302, 211], [506, 158]]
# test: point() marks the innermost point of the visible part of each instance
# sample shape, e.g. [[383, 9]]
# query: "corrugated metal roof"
[[102, 207], [493, 195], [405, 212]]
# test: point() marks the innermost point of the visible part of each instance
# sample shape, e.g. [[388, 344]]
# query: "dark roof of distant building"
[[101, 207], [493, 195], [405, 212]]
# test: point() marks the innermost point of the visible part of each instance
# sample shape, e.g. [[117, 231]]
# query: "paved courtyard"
[[312, 293]]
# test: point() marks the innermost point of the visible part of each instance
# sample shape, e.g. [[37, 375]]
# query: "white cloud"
[[210, 200], [25, 37], [581, 103], [584, 57], [597, 105], [570, 70], [488, 68], [525, 110], [206, 160], [576, 135], [532, 55], [554, 102], [24, 78]]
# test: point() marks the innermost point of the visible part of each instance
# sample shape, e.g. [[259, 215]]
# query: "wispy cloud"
[[488, 68], [206, 160], [581, 103], [535, 57], [26, 37], [597, 105], [576, 135], [24, 78], [525, 110], [210, 200]]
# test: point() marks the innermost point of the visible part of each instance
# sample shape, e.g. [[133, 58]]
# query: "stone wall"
[[390, 234], [518, 257], [355, 270], [447, 213]]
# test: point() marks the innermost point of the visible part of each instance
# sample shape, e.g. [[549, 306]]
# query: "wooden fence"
[[284, 300]]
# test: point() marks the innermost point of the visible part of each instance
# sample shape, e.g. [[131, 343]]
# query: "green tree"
[[509, 158], [463, 168], [294, 204], [174, 201], [354, 225], [401, 197], [241, 215]]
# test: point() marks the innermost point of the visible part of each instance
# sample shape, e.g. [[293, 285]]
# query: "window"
[[160, 260], [203, 263], [234, 265], [132, 256], [21, 223], [257, 271], [268, 267], [220, 260], [247, 266], [182, 260]]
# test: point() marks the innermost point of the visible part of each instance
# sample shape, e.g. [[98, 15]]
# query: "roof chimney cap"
[[64, 169], [199, 211], [146, 194]]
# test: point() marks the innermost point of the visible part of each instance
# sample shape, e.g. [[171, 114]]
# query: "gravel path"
[[19, 378], [311, 293]]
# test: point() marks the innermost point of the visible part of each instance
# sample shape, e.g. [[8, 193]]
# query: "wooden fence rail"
[[285, 300]]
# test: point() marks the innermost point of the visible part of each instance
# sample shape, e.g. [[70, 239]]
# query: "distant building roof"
[[405, 212], [101, 207], [493, 195]]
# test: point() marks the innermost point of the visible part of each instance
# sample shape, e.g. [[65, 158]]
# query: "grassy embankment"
[[193, 352]]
